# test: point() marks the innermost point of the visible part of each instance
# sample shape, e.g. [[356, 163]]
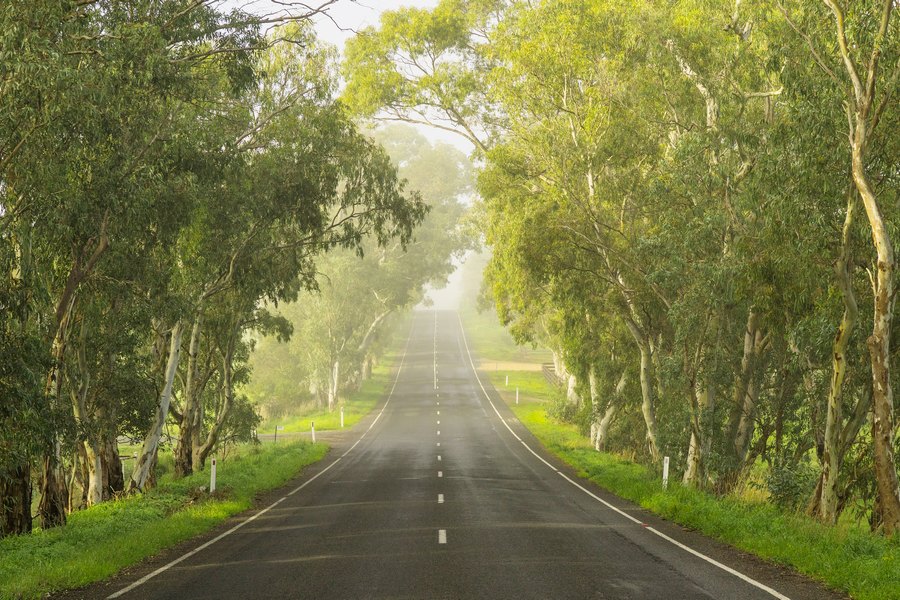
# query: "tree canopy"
[[693, 205], [165, 168]]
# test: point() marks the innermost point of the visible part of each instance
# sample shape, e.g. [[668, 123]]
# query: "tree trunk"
[[601, 435], [228, 392], [333, 385], [879, 344], [54, 496], [834, 420], [142, 474], [190, 416], [114, 479], [701, 441], [52, 507], [92, 455], [863, 120], [747, 389], [648, 408], [15, 490], [571, 394]]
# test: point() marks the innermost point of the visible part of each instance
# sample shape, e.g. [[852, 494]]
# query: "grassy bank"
[[844, 557], [99, 541]]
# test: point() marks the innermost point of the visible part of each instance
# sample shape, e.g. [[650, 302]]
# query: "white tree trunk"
[[333, 385], [145, 460]]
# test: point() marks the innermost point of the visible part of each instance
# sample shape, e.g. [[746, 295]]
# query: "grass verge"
[[864, 565], [356, 406], [101, 540]]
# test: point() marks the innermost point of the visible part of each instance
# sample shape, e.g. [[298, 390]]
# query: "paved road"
[[441, 498]]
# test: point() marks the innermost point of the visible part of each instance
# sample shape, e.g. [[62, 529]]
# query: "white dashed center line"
[[442, 536], [440, 473], [440, 498]]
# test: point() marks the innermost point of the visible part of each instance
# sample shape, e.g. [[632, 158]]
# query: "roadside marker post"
[[665, 472], [342, 417], [312, 425], [507, 381], [517, 395], [212, 475], [277, 429]]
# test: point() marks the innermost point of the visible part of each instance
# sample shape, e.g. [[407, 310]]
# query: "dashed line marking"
[[440, 498], [440, 473], [439, 458], [442, 536]]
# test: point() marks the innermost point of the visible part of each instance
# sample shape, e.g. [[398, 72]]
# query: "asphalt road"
[[445, 495]]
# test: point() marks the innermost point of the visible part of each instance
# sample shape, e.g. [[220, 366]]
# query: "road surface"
[[442, 494]]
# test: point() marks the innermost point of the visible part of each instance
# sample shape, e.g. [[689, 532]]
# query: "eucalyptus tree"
[[91, 175], [336, 325], [301, 180], [103, 164], [855, 50]]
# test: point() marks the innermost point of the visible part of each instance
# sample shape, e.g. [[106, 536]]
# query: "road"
[[442, 494]]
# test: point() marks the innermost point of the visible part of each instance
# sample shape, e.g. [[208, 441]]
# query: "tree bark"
[[863, 120], [190, 415], [142, 474], [648, 404], [832, 456], [333, 384], [92, 454], [601, 433], [228, 391], [15, 490], [114, 478], [746, 390], [54, 495]]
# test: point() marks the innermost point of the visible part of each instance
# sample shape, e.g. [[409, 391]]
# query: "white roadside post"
[[342, 417], [277, 429], [212, 475], [517, 395], [665, 472], [507, 381], [312, 425]]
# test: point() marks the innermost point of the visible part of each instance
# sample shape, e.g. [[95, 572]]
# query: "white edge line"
[[187, 555], [684, 547]]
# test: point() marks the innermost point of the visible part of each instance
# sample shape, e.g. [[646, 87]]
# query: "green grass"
[[99, 541], [865, 565], [356, 406], [529, 383], [493, 341]]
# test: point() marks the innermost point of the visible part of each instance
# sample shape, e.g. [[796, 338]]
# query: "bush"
[[790, 485]]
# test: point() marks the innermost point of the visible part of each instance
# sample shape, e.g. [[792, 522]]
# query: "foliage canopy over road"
[[694, 204]]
